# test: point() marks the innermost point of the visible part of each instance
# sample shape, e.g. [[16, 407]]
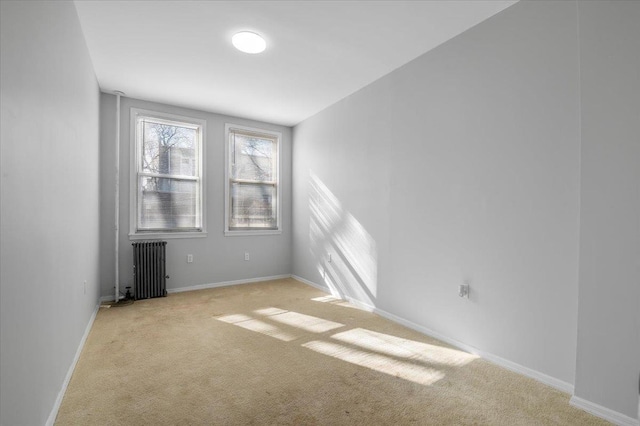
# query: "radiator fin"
[[149, 270]]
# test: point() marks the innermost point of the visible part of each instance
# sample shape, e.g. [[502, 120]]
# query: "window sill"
[[166, 235], [252, 233]]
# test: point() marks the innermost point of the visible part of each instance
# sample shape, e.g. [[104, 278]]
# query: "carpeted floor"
[[281, 352]]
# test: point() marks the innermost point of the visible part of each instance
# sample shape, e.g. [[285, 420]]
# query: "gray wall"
[[216, 258], [509, 157], [461, 165], [49, 203], [608, 358]]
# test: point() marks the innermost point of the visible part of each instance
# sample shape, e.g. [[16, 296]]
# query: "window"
[[252, 175], [167, 175]]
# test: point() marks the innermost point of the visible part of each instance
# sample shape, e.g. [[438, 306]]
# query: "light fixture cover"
[[249, 42]]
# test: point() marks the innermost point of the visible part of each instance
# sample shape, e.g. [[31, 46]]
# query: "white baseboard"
[[595, 409], [502, 362], [211, 285], [56, 406], [226, 283], [603, 412], [311, 283], [509, 365], [109, 298]]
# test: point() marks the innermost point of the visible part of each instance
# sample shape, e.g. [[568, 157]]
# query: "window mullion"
[[253, 182], [165, 176]]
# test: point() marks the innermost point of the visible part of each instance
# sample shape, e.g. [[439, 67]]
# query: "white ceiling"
[[318, 52]]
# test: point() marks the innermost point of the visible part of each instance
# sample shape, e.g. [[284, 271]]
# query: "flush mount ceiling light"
[[248, 42]]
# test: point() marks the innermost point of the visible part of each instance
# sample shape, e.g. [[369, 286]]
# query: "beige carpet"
[[281, 352]]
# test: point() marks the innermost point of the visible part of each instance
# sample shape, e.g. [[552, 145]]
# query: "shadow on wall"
[[345, 252]]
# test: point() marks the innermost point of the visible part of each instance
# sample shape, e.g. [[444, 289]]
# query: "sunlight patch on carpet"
[[304, 322], [377, 362], [335, 301], [233, 319], [269, 311], [404, 348], [258, 326], [326, 299]]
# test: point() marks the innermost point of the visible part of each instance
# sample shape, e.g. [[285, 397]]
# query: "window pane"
[[169, 149], [168, 203], [253, 205], [252, 158]]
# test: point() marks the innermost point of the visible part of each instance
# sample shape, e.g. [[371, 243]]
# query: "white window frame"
[[227, 178], [135, 161]]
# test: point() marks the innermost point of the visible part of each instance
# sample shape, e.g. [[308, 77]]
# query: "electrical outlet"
[[85, 287], [329, 257], [246, 255], [463, 290], [189, 258]]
